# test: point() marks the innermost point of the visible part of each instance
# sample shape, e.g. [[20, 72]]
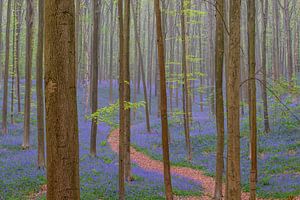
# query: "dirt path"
[[149, 164]]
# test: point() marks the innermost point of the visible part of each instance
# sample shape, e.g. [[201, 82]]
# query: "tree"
[[95, 62], [61, 105], [126, 52], [18, 35], [40, 88], [219, 56], [265, 5], [142, 71], [1, 16], [163, 101], [6, 67], [122, 106], [252, 97], [233, 185], [185, 88], [28, 67]]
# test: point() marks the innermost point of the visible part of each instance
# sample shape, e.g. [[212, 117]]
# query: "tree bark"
[[163, 100], [61, 104], [95, 65], [233, 184], [40, 88], [252, 97], [219, 56], [185, 88], [265, 5], [122, 106], [28, 67], [6, 67]]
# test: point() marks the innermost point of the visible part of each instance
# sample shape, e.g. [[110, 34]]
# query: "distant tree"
[[40, 87], [6, 68], [163, 100], [265, 8], [233, 176], [1, 44], [185, 84], [61, 104]]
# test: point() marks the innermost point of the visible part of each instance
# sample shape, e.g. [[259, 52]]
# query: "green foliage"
[[108, 114]]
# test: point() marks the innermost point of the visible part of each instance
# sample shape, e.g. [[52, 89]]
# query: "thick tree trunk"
[[40, 88], [95, 65], [163, 100], [233, 184], [6, 67], [61, 105], [219, 55]]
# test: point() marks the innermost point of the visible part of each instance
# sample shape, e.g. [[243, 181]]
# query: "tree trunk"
[[122, 106], [6, 67], [219, 55], [95, 65], [40, 88], [18, 35], [265, 5], [127, 88], [185, 88], [233, 184], [28, 67], [142, 70], [252, 96], [163, 100], [61, 104]]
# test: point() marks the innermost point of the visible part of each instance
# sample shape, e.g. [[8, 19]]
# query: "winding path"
[[149, 164]]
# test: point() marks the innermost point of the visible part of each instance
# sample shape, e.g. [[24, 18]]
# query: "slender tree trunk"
[[40, 88], [13, 67], [252, 97], [233, 184], [265, 6], [142, 70], [61, 104], [185, 88], [95, 66], [28, 67], [6, 68], [276, 24], [219, 55], [18, 35], [1, 44], [163, 100], [127, 88], [122, 106], [111, 52]]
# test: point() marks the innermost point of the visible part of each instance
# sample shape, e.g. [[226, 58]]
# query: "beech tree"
[[163, 100], [219, 56], [28, 67], [233, 176], [6, 68], [61, 103], [40, 88]]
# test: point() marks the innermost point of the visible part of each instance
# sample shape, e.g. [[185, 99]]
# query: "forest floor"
[[279, 157]]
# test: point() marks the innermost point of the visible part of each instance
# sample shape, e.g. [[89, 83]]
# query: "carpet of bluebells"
[[278, 151], [19, 176]]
